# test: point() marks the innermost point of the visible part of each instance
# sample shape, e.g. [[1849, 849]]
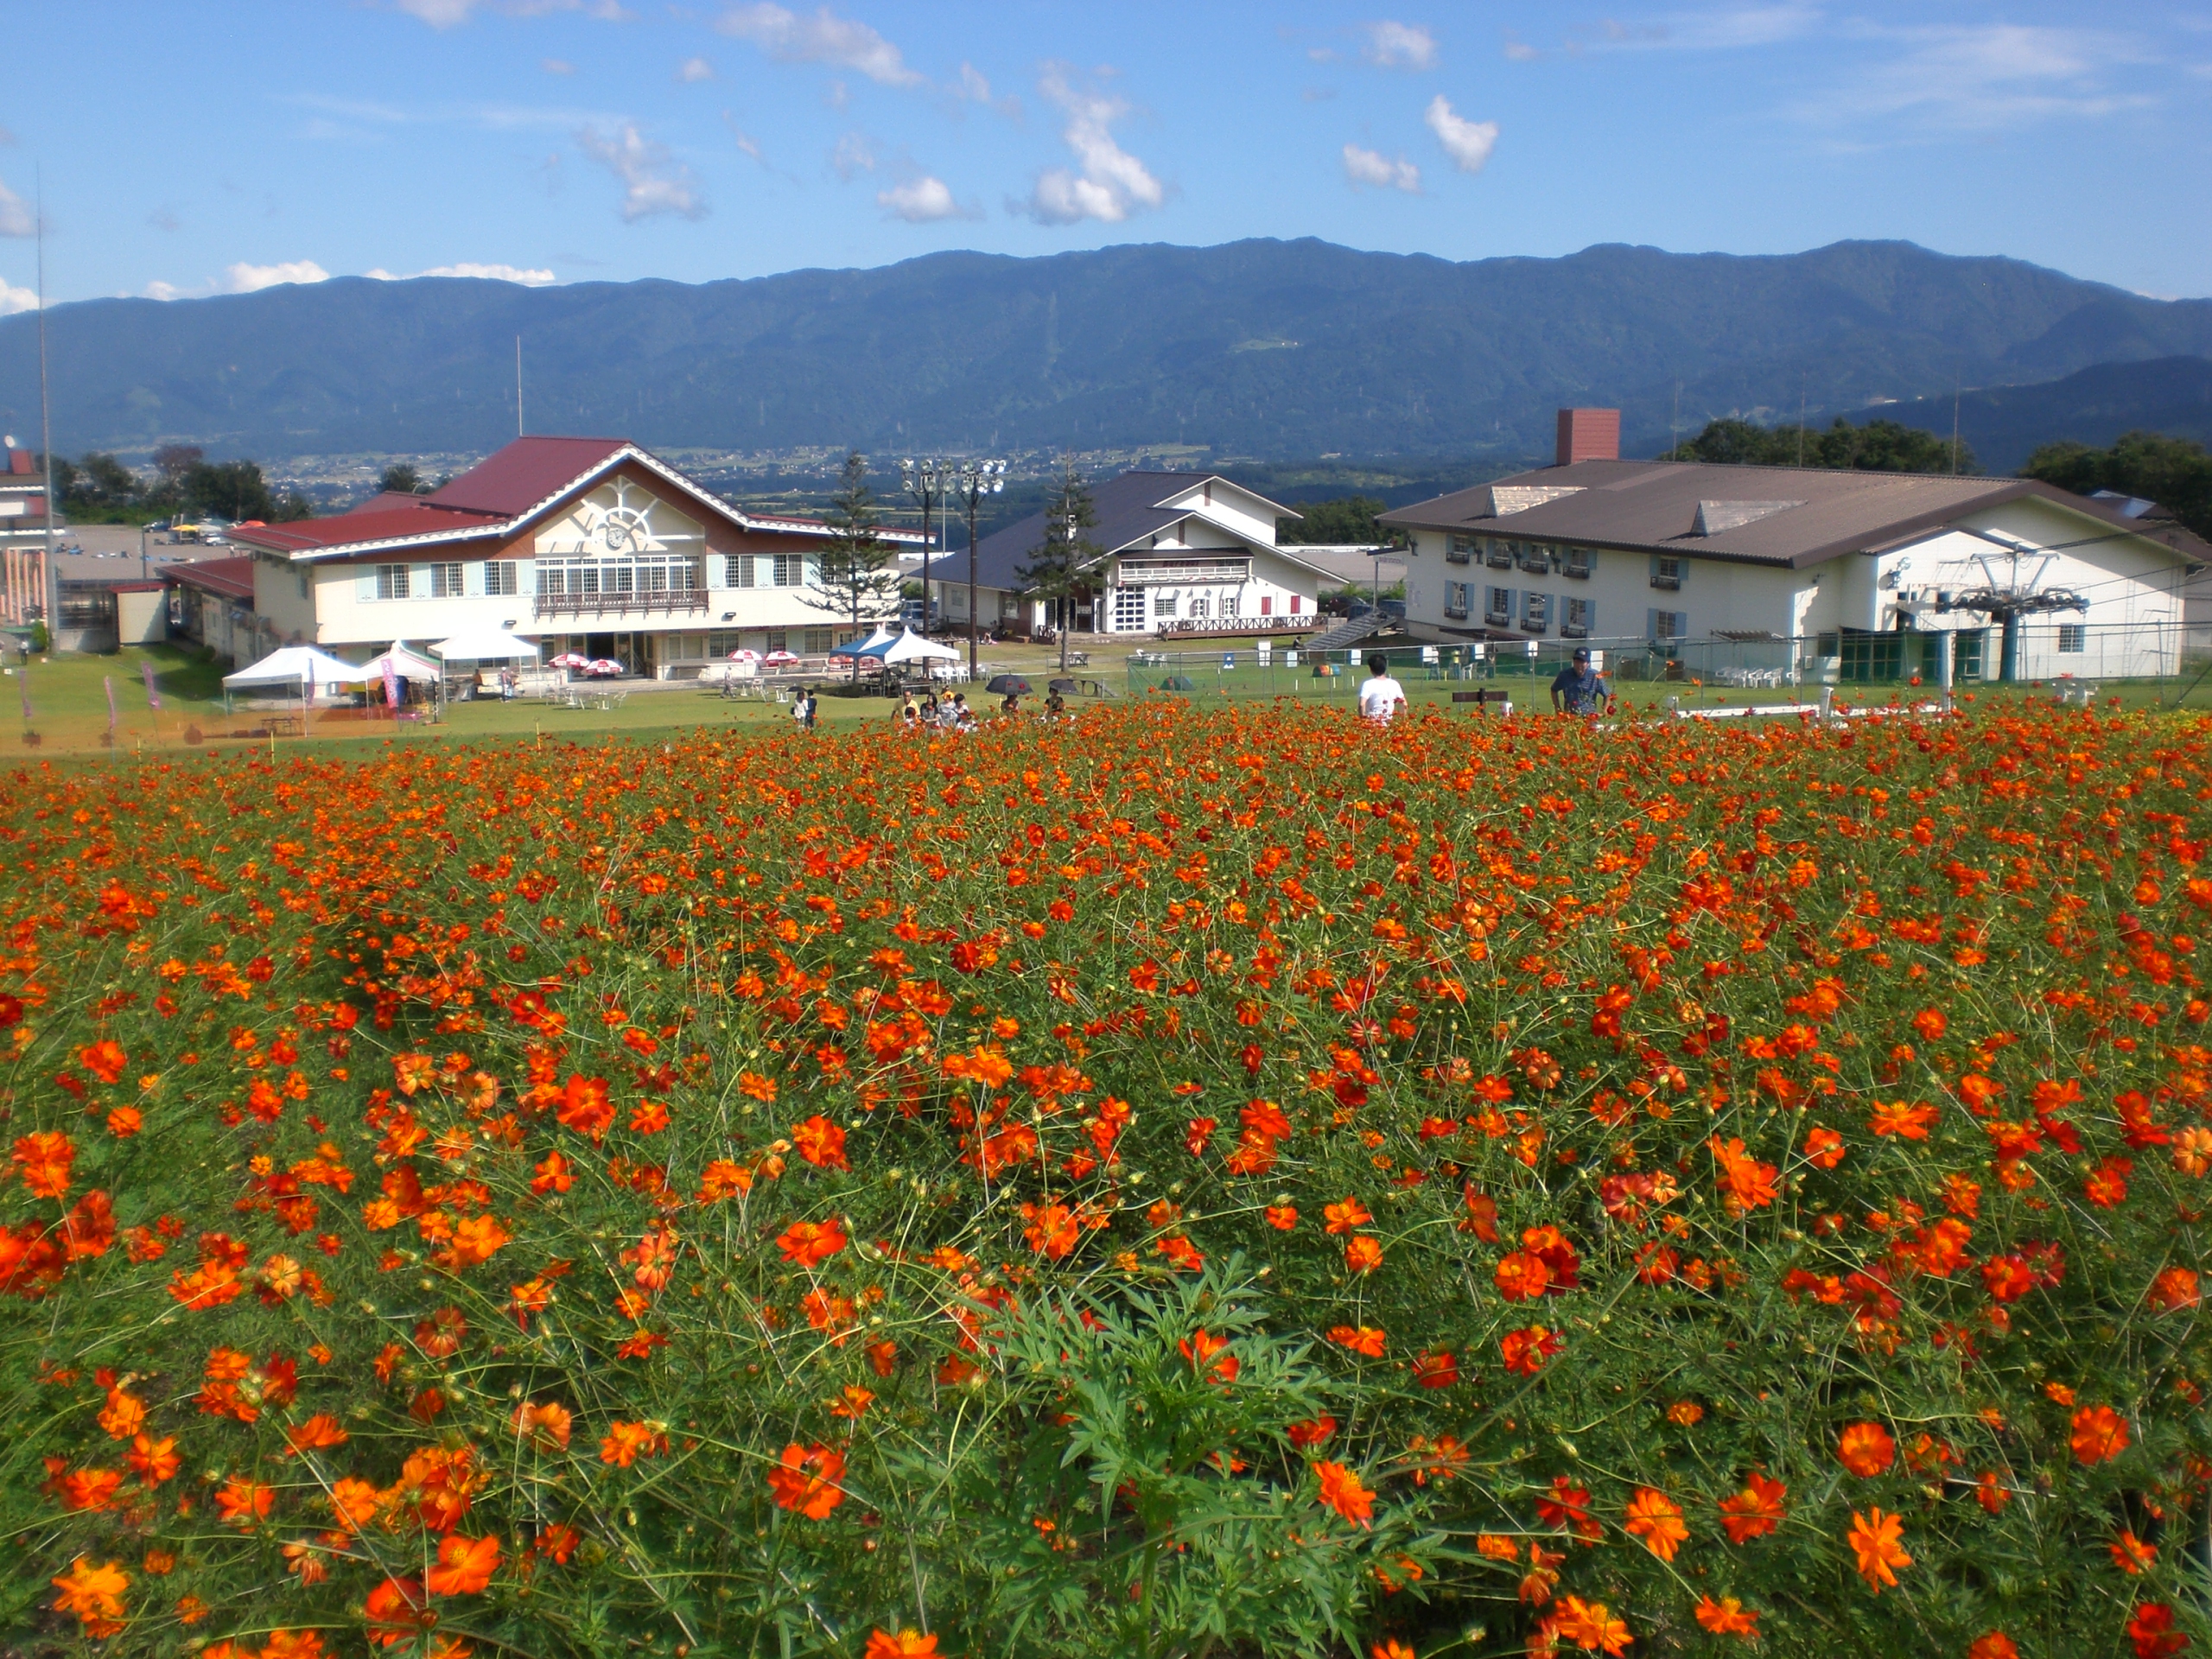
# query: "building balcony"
[[672, 601]]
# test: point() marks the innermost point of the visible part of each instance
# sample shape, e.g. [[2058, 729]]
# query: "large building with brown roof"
[[594, 545], [1820, 567]]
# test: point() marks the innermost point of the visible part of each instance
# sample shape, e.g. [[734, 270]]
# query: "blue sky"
[[198, 147]]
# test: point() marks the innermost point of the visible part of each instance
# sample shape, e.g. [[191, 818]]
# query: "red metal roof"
[[524, 473], [348, 529], [233, 578], [389, 501]]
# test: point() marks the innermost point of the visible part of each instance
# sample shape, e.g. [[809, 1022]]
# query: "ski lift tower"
[[2010, 589]]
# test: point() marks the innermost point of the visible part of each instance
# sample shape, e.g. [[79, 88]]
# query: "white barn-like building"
[[1184, 554], [1856, 569]]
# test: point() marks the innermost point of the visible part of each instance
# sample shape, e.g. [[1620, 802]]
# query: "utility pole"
[[519, 427], [928, 482], [971, 480], [50, 576]]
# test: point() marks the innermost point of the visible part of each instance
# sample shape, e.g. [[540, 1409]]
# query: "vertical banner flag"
[[146, 669], [108, 680], [391, 686]]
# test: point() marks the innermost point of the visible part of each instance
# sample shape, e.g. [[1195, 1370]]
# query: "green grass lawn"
[[68, 697]]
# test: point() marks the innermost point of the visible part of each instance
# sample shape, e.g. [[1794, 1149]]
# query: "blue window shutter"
[[365, 586]]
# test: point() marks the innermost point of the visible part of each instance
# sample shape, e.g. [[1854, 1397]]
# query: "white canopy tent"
[[485, 645], [407, 664], [911, 647], [875, 645], [294, 665]]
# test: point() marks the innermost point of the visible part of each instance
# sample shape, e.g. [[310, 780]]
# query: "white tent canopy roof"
[[407, 664], [912, 647], [291, 665], [876, 643], [483, 645]]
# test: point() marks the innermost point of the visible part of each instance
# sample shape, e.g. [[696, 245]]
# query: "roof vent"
[[1589, 435], [1714, 517]]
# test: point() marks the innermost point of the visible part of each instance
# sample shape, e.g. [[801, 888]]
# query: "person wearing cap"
[[1578, 690]]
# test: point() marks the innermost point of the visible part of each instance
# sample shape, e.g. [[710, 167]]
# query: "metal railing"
[[660, 601]]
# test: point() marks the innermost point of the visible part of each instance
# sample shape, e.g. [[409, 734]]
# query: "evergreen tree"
[[1876, 447], [2175, 473], [1060, 567], [857, 577]]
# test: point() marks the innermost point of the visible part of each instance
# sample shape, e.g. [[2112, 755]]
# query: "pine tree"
[[857, 577], [1060, 567]]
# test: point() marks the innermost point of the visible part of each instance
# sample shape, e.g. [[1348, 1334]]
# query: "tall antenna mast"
[[1801, 420], [1674, 428], [518, 385], [48, 575], [1958, 391]]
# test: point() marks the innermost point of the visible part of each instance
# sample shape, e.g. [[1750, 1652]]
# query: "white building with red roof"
[[587, 544]]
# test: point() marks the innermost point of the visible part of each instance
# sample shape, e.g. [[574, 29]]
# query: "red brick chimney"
[[19, 461], [1589, 435]]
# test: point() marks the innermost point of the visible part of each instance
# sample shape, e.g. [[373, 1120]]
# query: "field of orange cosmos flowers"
[[1172, 1184]]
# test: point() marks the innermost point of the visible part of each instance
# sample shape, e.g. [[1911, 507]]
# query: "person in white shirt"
[[1380, 696]]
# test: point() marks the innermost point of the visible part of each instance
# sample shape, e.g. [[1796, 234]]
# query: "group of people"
[[1576, 690]]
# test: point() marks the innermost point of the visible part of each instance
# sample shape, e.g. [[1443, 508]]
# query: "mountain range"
[[1257, 349]]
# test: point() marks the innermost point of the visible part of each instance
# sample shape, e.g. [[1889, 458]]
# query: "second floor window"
[[499, 578], [391, 582], [446, 581], [789, 570]]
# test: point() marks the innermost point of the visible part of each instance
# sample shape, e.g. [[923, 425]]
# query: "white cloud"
[[746, 141], [1372, 167], [653, 181], [694, 71], [1400, 45], [493, 273], [1113, 184], [924, 200], [252, 279], [161, 291], [14, 217], [1518, 50], [556, 65], [973, 87], [450, 13], [855, 153], [1467, 142], [14, 299], [1987, 76], [824, 38]]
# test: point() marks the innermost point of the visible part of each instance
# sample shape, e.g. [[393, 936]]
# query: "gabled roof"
[[1792, 516], [231, 578], [1128, 509], [497, 499], [525, 473]]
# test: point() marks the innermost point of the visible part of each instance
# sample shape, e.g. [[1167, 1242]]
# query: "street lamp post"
[[971, 482], [928, 482]]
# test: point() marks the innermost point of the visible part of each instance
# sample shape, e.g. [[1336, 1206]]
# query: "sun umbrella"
[[570, 659], [602, 665], [780, 657], [743, 655], [1009, 683]]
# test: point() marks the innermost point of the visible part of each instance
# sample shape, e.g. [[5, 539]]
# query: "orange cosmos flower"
[[1345, 1215], [2174, 1289], [821, 1142], [1522, 1276], [319, 1431], [1728, 1617], [1875, 1537], [1658, 1520], [907, 1644], [808, 1244], [1282, 1217], [1210, 1353], [155, 1461], [1437, 1369], [2150, 1628], [2099, 1434], [1341, 1491], [94, 1595], [123, 1415], [1908, 1122], [1823, 1150], [1992, 1645], [1312, 1432], [44, 1160], [1526, 1352], [1364, 1254], [125, 1121], [1866, 1449], [811, 1494], [626, 1442], [1365, 1339], [2132, 1556], [89, 1489], [465, 1566], [1590, 1625], [243, 1502], [1747, 1184], [548, 1424], [1756, 1510]]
